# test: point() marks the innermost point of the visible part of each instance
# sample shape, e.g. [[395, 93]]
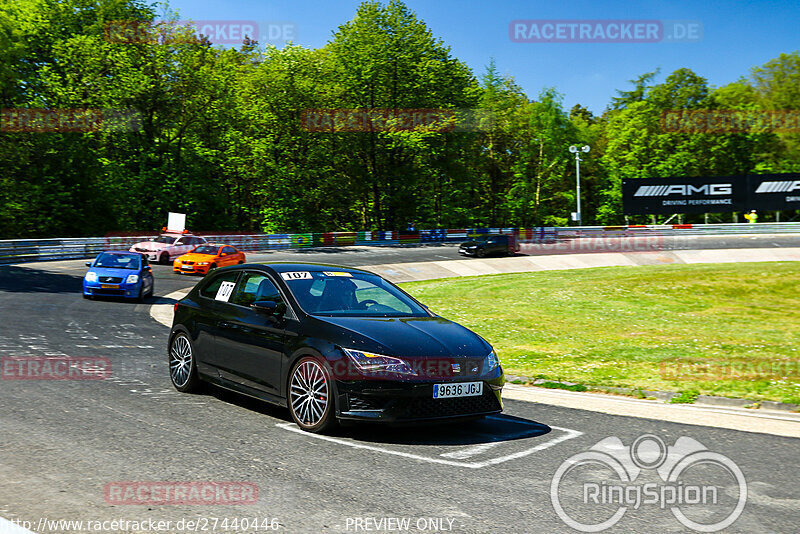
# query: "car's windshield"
[[206, 249], [117, 261], [165, 239], [350, 294]]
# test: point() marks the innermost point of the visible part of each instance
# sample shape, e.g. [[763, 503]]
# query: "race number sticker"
[[224, 291], [296, 275], [334, 273]]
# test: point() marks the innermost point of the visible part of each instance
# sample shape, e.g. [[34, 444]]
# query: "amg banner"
[[773, 192], [718, 194]]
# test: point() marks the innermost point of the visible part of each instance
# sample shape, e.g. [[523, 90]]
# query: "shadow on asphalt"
[[491, 429], [14, 279]]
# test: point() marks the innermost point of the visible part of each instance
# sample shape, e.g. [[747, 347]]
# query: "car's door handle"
[[224, 324]]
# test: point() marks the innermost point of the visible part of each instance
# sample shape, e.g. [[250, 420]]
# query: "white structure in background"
[[585, 148], [176, 222]]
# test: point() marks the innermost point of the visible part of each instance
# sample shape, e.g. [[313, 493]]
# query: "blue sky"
[[736, 37]]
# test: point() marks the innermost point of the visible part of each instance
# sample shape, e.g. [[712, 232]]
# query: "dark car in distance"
[[330, 343], [486, 245]]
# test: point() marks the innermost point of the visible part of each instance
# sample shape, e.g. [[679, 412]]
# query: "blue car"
[[118, 274]]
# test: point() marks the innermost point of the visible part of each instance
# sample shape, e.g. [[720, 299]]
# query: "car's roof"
[[283, 267], [121, 252]]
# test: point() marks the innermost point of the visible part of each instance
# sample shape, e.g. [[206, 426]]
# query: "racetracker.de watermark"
[[176, 493], [712, 369], [37, 120], [604, 31], [396, 120], [223, 31], [703, 490], [54, 368], [599, 243], [730, 121]]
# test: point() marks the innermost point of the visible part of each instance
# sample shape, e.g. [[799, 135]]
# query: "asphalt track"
[[62, 442]]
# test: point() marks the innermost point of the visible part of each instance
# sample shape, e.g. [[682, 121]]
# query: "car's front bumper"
[[467, 252], [190, 269], [393, 401], [95, 289]]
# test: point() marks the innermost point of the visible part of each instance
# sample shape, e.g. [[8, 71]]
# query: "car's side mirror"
[[88, 264], [223, 254]]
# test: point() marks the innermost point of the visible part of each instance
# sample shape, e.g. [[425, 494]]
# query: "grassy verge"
[[730, 330]]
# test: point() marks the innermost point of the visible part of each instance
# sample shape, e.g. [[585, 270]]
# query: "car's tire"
[[152, 289], [480, 253], [163, 259], [87, 297], [140, 296], [182, 364], [212, 266], [310, 396]]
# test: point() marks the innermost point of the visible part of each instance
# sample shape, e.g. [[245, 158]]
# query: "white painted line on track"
[[567, 434], [9, 527], [463, 454], [163, 312]]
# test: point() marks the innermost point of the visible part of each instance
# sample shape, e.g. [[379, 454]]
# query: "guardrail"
[[26, 250]]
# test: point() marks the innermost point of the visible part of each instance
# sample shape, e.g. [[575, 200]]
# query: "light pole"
[[575, 150]]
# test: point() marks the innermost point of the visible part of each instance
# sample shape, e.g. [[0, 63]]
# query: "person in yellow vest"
[[751, 217]]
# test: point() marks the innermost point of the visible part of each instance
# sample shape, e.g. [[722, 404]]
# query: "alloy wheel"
[[180, 361], [309, 393]]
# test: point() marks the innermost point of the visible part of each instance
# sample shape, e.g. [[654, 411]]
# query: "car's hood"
[[407, 337], [472, 243], [150, 246], [197, 257], [119, 273]]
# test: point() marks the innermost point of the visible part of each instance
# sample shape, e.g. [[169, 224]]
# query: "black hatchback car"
[[486, 245], [330, 343]]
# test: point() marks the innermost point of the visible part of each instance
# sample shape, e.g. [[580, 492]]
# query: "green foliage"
[[221, 136]]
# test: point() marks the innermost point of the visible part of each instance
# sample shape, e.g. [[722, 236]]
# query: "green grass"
[[631, 326]]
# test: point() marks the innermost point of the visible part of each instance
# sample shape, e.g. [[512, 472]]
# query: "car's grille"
[[140, 249], [187, 263], [110, 292], [110, 279], [358, 402], [430, 407], [444, 368]]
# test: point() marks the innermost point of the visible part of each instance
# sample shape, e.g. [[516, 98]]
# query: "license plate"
[[109, 286], [190, 268], [458, 389]]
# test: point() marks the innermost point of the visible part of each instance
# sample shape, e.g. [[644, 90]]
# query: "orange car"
[[202, 259]]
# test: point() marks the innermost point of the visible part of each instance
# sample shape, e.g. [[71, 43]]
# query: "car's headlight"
[[202, 263], [472, 246], [372, 363], [132, 279], [91, 276], [490, 363]]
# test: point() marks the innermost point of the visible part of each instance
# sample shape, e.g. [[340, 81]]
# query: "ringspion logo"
[[703, 490]]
